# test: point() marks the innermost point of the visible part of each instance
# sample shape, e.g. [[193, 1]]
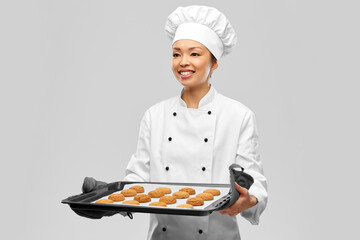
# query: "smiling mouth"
[[186, 73]]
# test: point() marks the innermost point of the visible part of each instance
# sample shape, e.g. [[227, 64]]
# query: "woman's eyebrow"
[[192, 48]]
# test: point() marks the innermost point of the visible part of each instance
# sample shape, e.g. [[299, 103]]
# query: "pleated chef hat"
[[203, 24]]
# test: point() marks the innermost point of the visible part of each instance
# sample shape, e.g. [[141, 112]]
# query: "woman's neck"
[[192, 96]]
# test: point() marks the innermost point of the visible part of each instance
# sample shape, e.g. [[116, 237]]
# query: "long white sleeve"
[[138, 168], [248, 157]]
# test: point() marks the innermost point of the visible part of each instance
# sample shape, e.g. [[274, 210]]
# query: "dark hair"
[[213, 58], [213, 61]]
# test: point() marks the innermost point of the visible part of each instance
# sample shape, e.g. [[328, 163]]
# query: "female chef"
[[196, 136]]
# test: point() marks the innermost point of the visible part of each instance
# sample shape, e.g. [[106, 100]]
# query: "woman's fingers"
[[224, 211], [240, 204], [240, 189]]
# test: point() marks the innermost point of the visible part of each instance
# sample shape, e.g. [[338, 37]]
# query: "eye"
[[176, 55], [195, 54]]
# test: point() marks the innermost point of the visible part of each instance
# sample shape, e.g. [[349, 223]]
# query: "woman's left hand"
[[245, 201]]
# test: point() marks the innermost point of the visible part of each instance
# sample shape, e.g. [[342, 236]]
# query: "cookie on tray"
[[191, 191], [104, 201], [214, 192], [138, 189], [195, 201], [168, 199], [131, 202], [156, 194], [205, 196], [129, 192], [117, 197], [166, 190], [158, 204], [181, 194], [142, 198], [185, 206]]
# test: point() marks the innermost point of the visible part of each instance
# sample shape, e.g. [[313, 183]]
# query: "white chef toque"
[[203, 24]]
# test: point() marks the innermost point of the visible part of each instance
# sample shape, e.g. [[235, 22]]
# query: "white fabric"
[[203, 35], [232, 138], [203, 24]]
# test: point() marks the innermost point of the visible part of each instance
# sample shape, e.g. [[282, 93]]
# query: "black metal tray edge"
[[83, 201]]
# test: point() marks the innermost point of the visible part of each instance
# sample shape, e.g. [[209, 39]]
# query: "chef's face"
[[192, 63]]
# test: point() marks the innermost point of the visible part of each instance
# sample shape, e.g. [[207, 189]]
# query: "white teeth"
[[185, 73]]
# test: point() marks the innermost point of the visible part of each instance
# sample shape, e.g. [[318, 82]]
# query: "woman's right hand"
[[89, 185]]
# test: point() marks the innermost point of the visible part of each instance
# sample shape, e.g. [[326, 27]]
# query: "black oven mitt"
[[237, 175], [89, 185]]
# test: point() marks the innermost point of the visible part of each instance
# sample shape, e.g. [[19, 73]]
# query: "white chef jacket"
[[180, 144]]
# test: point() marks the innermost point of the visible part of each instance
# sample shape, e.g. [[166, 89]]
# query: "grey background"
[[77, 76]]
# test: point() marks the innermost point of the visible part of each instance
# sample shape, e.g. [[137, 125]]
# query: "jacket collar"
[[208, 98]]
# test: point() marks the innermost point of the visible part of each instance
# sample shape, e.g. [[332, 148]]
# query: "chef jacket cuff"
[[132, 177], [253, 214]]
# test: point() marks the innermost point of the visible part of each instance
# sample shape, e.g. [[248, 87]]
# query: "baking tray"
[[86, 201]]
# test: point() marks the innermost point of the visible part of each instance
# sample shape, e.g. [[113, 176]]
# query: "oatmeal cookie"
[[205, 196], [156, 194], [128, 192], [191, 191], [117, 197], [195, 201], [131, 202], [181, 194], [138, 189], [214, 192], [185, 206], [158, 204], [166, 190], [104, 201], [142, 198], [168, 199]]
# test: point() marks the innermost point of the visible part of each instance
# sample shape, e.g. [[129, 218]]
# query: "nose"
[[184, 61]]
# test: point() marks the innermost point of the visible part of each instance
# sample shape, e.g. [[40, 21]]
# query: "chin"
[[188, 84]]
